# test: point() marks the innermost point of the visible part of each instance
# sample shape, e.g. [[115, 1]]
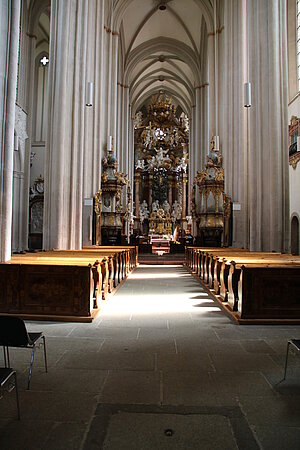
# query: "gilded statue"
[[98, 202]]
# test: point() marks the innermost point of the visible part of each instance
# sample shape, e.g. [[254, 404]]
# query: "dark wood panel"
[[42, 289], [271, 292]]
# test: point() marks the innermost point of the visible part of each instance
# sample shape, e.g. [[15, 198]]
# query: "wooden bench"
[[57, 290], [222, 275], [245, 283], [269, 292], [62, 284], [235, 269], [131, 253], [99, 266]]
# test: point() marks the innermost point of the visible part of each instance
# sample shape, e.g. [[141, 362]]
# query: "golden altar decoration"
[[161, 158], [214, 214], [160, 222], [108, 209]]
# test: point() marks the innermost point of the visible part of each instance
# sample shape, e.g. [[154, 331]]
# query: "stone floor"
[[161, 367]]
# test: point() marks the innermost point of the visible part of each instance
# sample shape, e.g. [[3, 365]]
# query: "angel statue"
[[140, 164], [166, 206], [143, 211], [176, 211], [155, 206], [161, 155]]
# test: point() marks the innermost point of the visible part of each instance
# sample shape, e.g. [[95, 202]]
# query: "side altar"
[[110, 217], [213, 216]]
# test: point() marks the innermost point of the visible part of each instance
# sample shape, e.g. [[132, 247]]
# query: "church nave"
[[162, 367]]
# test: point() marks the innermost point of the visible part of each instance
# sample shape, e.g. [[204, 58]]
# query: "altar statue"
[[176, 211], [143, 211], [140, 164], [155, 206], [166, 206], [161, 155]]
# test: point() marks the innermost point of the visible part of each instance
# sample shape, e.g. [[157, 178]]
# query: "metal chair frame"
[[295, 343], [27, 340], [5, 376]]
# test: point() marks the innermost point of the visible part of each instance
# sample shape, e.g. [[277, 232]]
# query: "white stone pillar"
[[233, 115], [254, 140], [20, 193], [211, 82], [95, 137], [65, 143], [197, 130], [9, 21], [268, 136]]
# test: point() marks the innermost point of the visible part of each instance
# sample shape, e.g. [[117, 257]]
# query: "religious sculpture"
[[155, 206], [140, 164], [144, 211], [176, 211], [166, 206]]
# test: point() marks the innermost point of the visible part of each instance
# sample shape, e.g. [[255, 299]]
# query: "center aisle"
[[164, 292]]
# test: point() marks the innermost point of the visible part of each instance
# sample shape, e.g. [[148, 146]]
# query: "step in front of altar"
[[160, 247]]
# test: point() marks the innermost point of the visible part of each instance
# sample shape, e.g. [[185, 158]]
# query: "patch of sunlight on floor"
[[147, 304], [154, 274]]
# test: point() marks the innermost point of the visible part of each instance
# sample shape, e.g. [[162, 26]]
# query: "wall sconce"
[[247, 95], [89, 94], [109, 144], [217, 143]]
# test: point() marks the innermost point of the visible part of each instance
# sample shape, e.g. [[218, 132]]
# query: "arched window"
[[41, 107]]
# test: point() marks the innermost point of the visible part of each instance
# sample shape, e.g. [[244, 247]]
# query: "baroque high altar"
[[161, 169]]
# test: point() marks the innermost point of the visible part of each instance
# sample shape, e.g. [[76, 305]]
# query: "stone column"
[[95, 136], [211, 80], [268, 127], [65, 139], [184, 183], [10, 20], [20, 193]]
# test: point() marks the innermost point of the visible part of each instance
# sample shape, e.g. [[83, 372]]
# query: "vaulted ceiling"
[[163, 48]]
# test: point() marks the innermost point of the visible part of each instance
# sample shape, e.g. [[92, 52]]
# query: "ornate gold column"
[[184, 182], [98, 203], [137, 181], [150, 189], [171, 191]]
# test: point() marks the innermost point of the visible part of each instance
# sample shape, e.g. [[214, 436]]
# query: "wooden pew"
[[194, 257], [131, 252], [204, 263], [235, 268], [87, 276], [98, 265], [58, 290], [269, 292], [114, 263], [232, 276], [239, 256]]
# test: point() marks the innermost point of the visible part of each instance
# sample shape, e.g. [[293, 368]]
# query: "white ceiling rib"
[[162, 46]]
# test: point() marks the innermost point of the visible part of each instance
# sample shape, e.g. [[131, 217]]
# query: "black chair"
[[295, 343], [8, 382], [13, 333]]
